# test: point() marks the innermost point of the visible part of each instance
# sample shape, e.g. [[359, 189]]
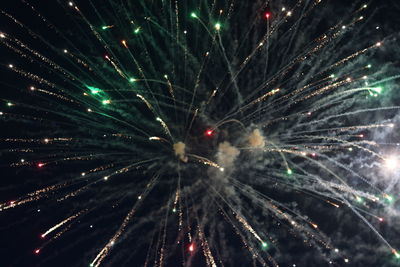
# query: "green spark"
[[137, 30], [193, 15], [289, 171]]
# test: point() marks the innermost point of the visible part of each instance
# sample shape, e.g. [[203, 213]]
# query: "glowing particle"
[[359, 199], [40, 165], [46, 140], [132, 80], [222, 169], [137, 30], [369, 66], [11, 66], [336, 250], [2, 35], [193, 15], [191, 247], [106, 102], [105, 178], [22, 160], [377, 89], [65, 51], [350, 149], [91, 226], [264, 244], [10, 104], [104, 27], [289, 172], [289, 13], [380, 219], [267, 15], [89, 110], [37, 251], [396, 254], [139, 197], [173, 210], [346, 260], [1, 113], [32, 88], [70, 4], [378, 44], [218, 26], [209, 132], [83, 174], [124, 43]]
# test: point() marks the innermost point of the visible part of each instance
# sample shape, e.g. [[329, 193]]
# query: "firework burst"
[[233, 133]]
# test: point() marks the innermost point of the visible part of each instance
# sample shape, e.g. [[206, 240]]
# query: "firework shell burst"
[[199, 133]]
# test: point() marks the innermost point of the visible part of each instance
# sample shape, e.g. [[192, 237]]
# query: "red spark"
[[209, 132], [191, 247]]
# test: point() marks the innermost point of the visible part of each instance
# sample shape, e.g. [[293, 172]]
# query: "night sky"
[[287, 112]]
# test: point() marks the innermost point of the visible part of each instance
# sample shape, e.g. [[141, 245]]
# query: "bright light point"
[[361, 136], [193, 15], [348, 79], [346, 260], [38, 210], [264, 244], [221, 169], [165, 76], [267, 15], [105, 178], [343, 27], [40, 165], [209, 132], [70, 4], [42, 236], [283, 8], [289, 171], [332, 76], [350, 149], [65, 51], [106, 102], [2, 35], [191, 247], [83, 174], [359, 199], [173, 210], [139, 197], [377, 89], [91, 226], [11, 65], [89, 110], [185, 32], [378, 44], [217, 26], [289, 13], [132, 80], [336, 250], [37, 251], [360, 18], [22, 160], [396, 254], [1, 113], [137, 30], [392, 163], [32, 88], [380, 219], [104, 27], [365, 6], [112, 243], [10, 104]]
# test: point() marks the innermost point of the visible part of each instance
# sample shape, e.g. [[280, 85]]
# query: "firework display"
[[199, 133]]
